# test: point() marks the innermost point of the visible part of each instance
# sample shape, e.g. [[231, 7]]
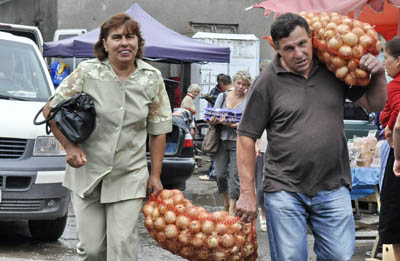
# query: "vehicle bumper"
[[31, 188], [175, 171]]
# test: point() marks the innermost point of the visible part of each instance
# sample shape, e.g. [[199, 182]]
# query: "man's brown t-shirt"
[[307, 149]]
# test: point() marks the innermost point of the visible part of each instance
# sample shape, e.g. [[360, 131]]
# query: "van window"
[[21, 74]]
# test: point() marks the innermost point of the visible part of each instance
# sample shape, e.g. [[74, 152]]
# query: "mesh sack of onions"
[[195, 234], [340, 41]]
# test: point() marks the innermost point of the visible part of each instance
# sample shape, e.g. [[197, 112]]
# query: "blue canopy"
[[160, 43]]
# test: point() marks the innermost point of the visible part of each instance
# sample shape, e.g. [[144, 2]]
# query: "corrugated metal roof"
[[244, 37]]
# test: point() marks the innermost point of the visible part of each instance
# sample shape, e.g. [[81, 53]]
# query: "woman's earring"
[[105, 49]]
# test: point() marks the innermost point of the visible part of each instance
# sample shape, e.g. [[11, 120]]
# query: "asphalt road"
[[16, 244]]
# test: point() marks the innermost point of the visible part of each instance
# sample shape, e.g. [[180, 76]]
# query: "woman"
[[225, 158], [107, 173], [389, 217], [188, 101]]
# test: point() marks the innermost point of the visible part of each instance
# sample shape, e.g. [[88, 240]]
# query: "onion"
[[166, 194], [199, 239], [315, 19], [322, 47], [169, 202], [325, 19], [171, 231], [357, 51], [155, 214], [184, 237], [365, 41], [363, 81], [240, 239], [147, 210], [186, 251], [161, 238], [378, 48], [207, 226], [367, 26], [236, 227], [358, 31], [203, 254], [331, 26], [159, 224], [170, 217], [192, 211], [331, 67], [341, 72], [248, 249], [347, 21], [247, 228], [326, 57], [178, 199], [162, 209], [235, 249], [152, 203], [235, 258], [357, 24], [350, 39], [219, 215], [343, 28], [335, 43], [360, 73], [221, 228], [220, 255], [349, 80], [180, 208], [195, 226], [227, 240], [203, 215], [336, 19], [182, 222], [329, 33], [345, 50], [338, 61], [371, 32], [352, 65], [148, 222], [212, 241], [316, 26], [321, 33], [173, 246]]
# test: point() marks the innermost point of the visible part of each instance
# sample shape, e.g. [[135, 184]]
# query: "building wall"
[[40, 13], [175, 14]]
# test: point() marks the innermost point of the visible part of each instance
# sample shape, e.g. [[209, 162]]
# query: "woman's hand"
[[76, 158], [389, 136], [396, 168], [154, 187]]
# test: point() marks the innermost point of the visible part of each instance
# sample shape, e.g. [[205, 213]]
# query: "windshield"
[[22, 75]]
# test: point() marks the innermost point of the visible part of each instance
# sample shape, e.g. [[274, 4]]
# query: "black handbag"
[[210, 142], [75, 117]]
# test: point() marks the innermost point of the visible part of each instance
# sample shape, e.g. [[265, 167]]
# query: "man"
[[306, 174]]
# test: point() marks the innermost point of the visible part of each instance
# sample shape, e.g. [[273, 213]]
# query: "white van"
[[61, 34], [32, 164]]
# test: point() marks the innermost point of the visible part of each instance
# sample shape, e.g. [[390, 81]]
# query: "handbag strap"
[[50, 116]]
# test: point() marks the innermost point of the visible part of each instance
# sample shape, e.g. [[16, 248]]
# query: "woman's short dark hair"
[[115, 21], [226, 79], [285, 24], [393, 47]]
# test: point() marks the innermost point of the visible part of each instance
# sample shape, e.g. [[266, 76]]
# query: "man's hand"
[[371, 64], [246, 207], [396, 168], [75, 156], [389, 136]]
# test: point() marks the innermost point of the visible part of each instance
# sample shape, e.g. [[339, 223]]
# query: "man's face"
[[296, 52]]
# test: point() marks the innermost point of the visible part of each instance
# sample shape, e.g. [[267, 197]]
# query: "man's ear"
[[271, 42]]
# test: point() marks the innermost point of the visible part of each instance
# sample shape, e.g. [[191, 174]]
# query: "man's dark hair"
[[219, 76], [393, 47], [226, 79], [285, 24]]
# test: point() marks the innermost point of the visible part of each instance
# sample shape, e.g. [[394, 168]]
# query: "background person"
[[389, 215], [225, 157], [224, 84], [188, 103], [108, 173], [307, 173]]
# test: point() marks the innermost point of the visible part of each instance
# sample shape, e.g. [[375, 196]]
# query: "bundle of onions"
[[195, 234], [340, 41]]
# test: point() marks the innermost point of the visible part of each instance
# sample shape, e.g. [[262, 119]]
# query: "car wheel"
[[47, 230]]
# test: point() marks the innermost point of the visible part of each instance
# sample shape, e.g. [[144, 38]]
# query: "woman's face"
[[195, 93], [392, 64], [240, 86], [121, 45]]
